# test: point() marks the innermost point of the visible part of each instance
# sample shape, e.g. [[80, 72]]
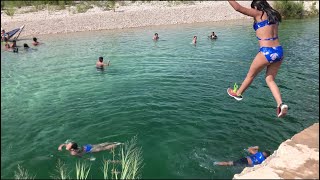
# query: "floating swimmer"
[[194, 41], [155, 37], [266, 21], [213, 36], [255, 158], [77, 150]]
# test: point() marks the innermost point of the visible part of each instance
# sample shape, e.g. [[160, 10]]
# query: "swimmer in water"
[[194, 41], [155, 37], [35, 42], [100, 64], [255, 158], [76, 150], [213, 36]]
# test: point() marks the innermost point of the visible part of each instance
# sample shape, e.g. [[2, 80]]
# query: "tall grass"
[[22, 173], [131, 161], [82, 170], [290, 9], [61, 171]]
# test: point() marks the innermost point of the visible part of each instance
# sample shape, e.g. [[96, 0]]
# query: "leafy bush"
[[313, 10], [83, 7], [290, 9], [10, 11]]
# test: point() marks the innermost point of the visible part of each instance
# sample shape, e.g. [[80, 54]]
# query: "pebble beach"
[[132, 15]]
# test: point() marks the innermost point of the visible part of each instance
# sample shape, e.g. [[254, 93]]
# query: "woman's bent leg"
[[258, 64]]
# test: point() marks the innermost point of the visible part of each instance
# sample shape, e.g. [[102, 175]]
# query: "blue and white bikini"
[[272, 54]]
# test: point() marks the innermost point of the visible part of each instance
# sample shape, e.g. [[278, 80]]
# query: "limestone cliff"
[[296, 158]]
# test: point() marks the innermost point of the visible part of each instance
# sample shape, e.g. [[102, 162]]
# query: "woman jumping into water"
[[266, 21]]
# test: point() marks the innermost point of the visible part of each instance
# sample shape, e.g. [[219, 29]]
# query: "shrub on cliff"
[[290, 9]]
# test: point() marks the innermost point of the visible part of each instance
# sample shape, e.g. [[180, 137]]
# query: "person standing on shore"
[[255, 158], [155, 37], [270, 56]]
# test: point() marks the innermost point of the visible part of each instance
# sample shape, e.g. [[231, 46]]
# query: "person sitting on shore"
[[35, 42], [100, 63], [213, 36], [156, 37], [76, 150], [254, 159], [194, 41]]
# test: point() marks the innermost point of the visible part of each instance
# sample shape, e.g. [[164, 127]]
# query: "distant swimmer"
[[14, 44], [26, 46], [255, 158], [270, 56], [194, 41], [77, 150], [6, 45], [35, 41], [213, 36], [100, 63], [155, 37]]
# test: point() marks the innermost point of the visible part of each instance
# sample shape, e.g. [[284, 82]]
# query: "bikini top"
[[261, 24]]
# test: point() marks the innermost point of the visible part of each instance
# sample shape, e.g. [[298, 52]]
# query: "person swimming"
[[155, 37], [213, 36], [35, 41], [194, 41], [25, 45], [100, 64], [270, 55], [255, 158], [76, 150]]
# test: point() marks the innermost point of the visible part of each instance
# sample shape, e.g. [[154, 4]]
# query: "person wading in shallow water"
[[77, 150], [100, 64]]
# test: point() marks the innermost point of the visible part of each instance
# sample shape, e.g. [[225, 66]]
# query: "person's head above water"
[[25, 45], [262, 5], [156, 34], [72, 146], [35, 39], [101, 59], [266, 153]]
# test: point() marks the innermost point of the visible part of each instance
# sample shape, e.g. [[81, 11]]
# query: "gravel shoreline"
[[135, 15]]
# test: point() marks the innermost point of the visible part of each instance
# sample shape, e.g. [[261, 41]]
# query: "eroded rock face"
[[296, 158]]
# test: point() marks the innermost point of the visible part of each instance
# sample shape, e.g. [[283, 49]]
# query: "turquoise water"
[[171, 94]]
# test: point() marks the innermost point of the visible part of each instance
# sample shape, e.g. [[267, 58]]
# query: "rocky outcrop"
[[296, 158]]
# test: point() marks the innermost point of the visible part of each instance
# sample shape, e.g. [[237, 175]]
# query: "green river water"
[[171, 94]]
